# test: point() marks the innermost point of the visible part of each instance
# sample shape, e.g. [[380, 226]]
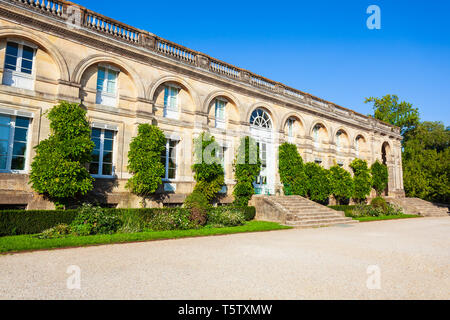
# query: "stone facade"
[[71, 44]]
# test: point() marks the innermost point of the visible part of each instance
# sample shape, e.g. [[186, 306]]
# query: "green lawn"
[[29, 243], [403, 216]]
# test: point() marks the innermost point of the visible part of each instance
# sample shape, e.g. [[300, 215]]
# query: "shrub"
[[197, 204], [361, 179], [247, 166], [167, 219], [95, 220], [379, 203], [59, 168], [380, 177], [248, 212], [341, 184], [59, 231], [144, 160], [319, 188], [394, 210], [18, 222], [362, 210], [208, 170], [226, 217], [291, 170], [131, 221]]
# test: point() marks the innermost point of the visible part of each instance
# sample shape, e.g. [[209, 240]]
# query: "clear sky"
[[321, 47]]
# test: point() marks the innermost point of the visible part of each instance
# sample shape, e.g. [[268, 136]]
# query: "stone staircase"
[[299, 212], [420, 207]]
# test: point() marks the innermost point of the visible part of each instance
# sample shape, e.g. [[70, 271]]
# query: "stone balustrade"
[[224, 69], [110, 27], [262, 82], [53, 7], [175, 51]]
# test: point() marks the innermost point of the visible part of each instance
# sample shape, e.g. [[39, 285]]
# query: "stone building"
[[56, 50]]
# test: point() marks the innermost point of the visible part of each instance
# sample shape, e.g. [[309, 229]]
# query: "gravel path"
[[413, 257]]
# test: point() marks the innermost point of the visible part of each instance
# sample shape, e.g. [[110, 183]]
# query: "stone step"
[[312, 224], [311, 216]]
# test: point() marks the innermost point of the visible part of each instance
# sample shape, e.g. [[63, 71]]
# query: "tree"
[[247, 166], [426, 162], [59, 168], [144, 160], [380, 177], [361, 179], [389, 110], [319, 187], [341, 181], [291, 170], [208, 170]]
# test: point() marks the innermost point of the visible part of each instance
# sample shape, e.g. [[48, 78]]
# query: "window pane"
[[20, 134], [96, 156], [100, 78], [93, 168], [97, 143], [18, 163], [96, 133], [22, 122], [107, 157], [4, 132], [112, 75], [107, 169], [10, 62], [19, 148], [27, 53], [108, 145], [12, 49], [4, 120], [109, 134], [3, 160], [111, 87], [27, 66], [3, 147]]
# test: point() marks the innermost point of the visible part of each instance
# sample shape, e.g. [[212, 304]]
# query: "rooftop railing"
[[122, 32]]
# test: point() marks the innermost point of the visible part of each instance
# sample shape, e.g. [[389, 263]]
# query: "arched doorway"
[[261, 129]]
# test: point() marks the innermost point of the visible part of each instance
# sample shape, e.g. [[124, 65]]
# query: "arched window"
[[220, 113], [338, 140], [290, 127], [260, 119]]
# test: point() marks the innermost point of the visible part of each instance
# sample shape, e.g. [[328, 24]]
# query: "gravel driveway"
[[412, 257]]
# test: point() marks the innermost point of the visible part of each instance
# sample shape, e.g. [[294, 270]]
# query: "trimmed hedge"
[[17, 222], [20, 222]]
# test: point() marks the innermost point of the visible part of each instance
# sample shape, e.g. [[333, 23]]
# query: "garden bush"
[[319, 187], [59, 231], [167, 219], [226, 217], [361, 179], [341, 184], [380, 177], [95, 220], [380, 203], [291, 170], [247, 166], [208, 170], [197, 204]]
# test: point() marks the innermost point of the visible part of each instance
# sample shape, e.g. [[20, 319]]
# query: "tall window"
[[171, 102], [221, 155], [338, 141], [316, 135], [169, 160], [19, 60], [107, 86], [13, 142], [220, 114], [357, 146], [102, 155], [290, 128]]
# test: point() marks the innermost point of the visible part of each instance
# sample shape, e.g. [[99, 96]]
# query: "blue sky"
[[321, 47]]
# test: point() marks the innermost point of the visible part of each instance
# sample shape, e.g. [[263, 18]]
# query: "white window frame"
[[167, 158], [100, 174], [103, 97], [172, 112], [316, 132], [357, 146], [12, 128], [338, 141], [220, 122], [26, 80]]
